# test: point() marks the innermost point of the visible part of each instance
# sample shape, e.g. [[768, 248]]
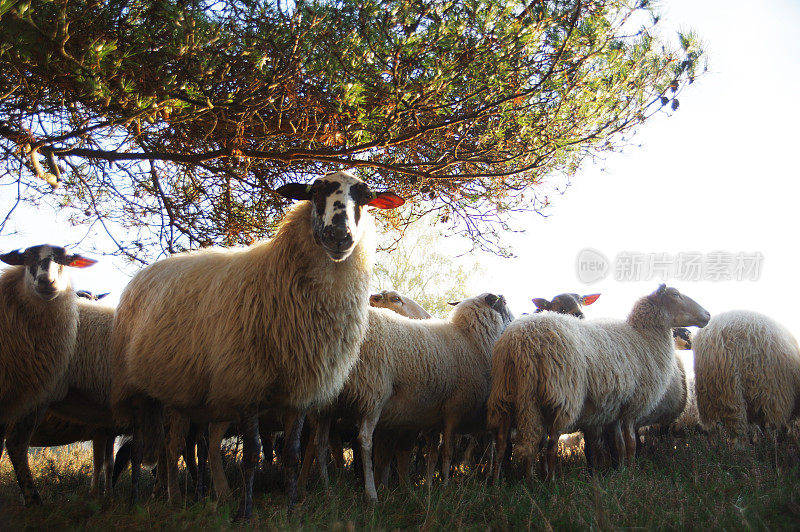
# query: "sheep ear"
[[14, 258], [77, 261], [453, 303], [295, 191], [588, 300], [491, 299], [541, 303], [662, 289], [386, 200]]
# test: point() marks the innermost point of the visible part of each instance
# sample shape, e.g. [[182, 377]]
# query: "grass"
[[694, 484]]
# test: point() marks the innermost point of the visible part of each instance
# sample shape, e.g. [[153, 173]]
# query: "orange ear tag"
[[386, 200]]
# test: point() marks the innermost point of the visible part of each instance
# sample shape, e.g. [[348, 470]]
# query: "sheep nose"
[[337, 234]]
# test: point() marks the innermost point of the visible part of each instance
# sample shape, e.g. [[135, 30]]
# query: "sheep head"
[[44, 265], [338, 200]]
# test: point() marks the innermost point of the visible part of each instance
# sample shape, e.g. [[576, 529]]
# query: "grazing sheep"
[[221, 334], [565, 304], [403, 305], [38, 325], [747, 370], [420, 375], [553, 373]]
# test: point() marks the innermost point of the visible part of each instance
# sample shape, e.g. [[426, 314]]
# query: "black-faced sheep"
[[747, 370], [421, 375], [554, 374], [221, 334], [39, 325], [403, 305], [565, 304]]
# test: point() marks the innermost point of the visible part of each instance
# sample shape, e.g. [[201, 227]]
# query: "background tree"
[[421, 268], [171, 123]]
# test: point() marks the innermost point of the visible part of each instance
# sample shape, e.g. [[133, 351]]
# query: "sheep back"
[[419, 372], [747, 369], [88, 377], [38, 341], [278, 323]]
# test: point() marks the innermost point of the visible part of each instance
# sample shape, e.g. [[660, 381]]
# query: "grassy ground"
[[694, 484]]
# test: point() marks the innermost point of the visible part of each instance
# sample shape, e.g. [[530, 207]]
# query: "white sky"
[[718, 175]]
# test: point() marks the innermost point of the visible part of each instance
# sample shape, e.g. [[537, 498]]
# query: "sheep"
[[39, 325], [220, 334], [555, 373], [84, 396], [403, 305], [420, 375], [565, 304], [674, 401], [55, 431], [747, 370]]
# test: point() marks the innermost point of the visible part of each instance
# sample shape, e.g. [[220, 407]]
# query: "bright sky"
[[716, 176]]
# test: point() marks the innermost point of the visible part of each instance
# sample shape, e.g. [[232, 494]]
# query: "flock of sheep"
[[215, 343]]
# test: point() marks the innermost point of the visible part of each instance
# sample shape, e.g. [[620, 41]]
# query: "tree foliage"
[[175, 121], [422, 268]]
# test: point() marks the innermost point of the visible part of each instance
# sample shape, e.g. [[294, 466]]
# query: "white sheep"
[[84, 389], [553, 373], [675, 397], [420, 375], [38, 327], [747, 370], [220, 334], [403, 305]]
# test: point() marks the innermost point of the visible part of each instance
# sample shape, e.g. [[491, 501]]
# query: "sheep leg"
[[616, 443], [108, 464], [447, 449], [201, 484], [551, 455], [321, 442], [308, 462], [98, 461], [251, 455], [178, 427], [293, 428], [147, 420], [121, 460], [365, 432], [189, 452], [590, 446], [432, 446], [17, 443], [216, 432], [500, 440], [267, 448], [382, 457], [406, 445], [628, 432]]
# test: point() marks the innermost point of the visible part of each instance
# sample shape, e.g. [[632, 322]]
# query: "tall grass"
[[692, 483]]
